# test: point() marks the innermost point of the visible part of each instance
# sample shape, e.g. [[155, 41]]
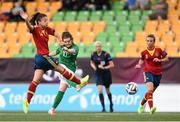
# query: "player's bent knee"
[[37, 80], [100, 91], [108, 92], [63, 87], [150, 91]]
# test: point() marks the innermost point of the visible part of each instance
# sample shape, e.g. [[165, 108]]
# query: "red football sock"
[[143, 101], [149, 98], [31, 90], [70, 76]]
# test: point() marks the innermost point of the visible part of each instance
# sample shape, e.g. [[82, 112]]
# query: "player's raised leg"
[[32, 88], [84, 82], [71, 76]]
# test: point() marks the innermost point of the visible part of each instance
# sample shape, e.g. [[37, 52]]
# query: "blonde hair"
[[97, 42]]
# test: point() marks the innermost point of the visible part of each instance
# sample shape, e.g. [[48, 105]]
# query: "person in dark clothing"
[[14, 13], [102, 4], [68, 4], [101, 62], [86, 5], [160, 11]]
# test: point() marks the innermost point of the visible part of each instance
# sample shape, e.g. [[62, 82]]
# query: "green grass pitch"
[[85, 116]]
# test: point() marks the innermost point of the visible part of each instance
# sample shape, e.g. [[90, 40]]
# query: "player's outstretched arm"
[[25, 17], [58, 36]]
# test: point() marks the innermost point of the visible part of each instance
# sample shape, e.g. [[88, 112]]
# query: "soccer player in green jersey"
[[67, 52]]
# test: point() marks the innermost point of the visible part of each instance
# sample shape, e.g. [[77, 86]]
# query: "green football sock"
[[73, 84], [58, 99]]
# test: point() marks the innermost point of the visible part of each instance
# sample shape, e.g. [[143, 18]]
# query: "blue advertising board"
[[87, 100]]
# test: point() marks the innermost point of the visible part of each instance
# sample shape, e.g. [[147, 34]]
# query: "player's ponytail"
[[37, 17], [33, 19]]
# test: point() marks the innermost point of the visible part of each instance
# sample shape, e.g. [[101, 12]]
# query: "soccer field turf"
[[74, 116]]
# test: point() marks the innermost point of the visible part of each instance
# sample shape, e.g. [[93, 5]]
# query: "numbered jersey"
[[69, 60], [41, 37], [149, 65], [103, 59]]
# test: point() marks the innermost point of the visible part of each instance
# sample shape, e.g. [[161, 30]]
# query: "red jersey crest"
[[148, 57]]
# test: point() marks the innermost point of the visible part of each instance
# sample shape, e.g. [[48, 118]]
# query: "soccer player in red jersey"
[[38, 26], [152, 59]]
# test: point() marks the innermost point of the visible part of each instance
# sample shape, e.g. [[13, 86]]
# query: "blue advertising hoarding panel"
[[86, 100]]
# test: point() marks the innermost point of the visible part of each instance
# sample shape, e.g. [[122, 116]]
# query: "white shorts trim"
[[63, 79]]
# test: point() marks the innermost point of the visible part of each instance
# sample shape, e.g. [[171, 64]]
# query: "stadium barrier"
[[86, 100], [21, 70], [166, 98]]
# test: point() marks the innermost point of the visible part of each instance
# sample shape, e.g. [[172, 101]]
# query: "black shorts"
[[103, 78]]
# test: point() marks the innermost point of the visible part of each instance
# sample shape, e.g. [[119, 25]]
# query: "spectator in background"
[[85, 5], [143, 4], [102, 4], [95, 4], [14, 13], [4, 16], [159, 10], [82, 5], [130, 5], [68, 4]]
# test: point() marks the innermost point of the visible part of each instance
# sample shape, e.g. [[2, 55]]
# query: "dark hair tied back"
[[37, 17]]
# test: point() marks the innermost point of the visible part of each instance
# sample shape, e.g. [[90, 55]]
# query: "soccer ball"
[[131, 88]]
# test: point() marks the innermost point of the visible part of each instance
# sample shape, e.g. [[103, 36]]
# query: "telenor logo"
[[81, 97], [2, 99]]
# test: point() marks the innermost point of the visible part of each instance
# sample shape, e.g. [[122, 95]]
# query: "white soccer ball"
[[131, 88]]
